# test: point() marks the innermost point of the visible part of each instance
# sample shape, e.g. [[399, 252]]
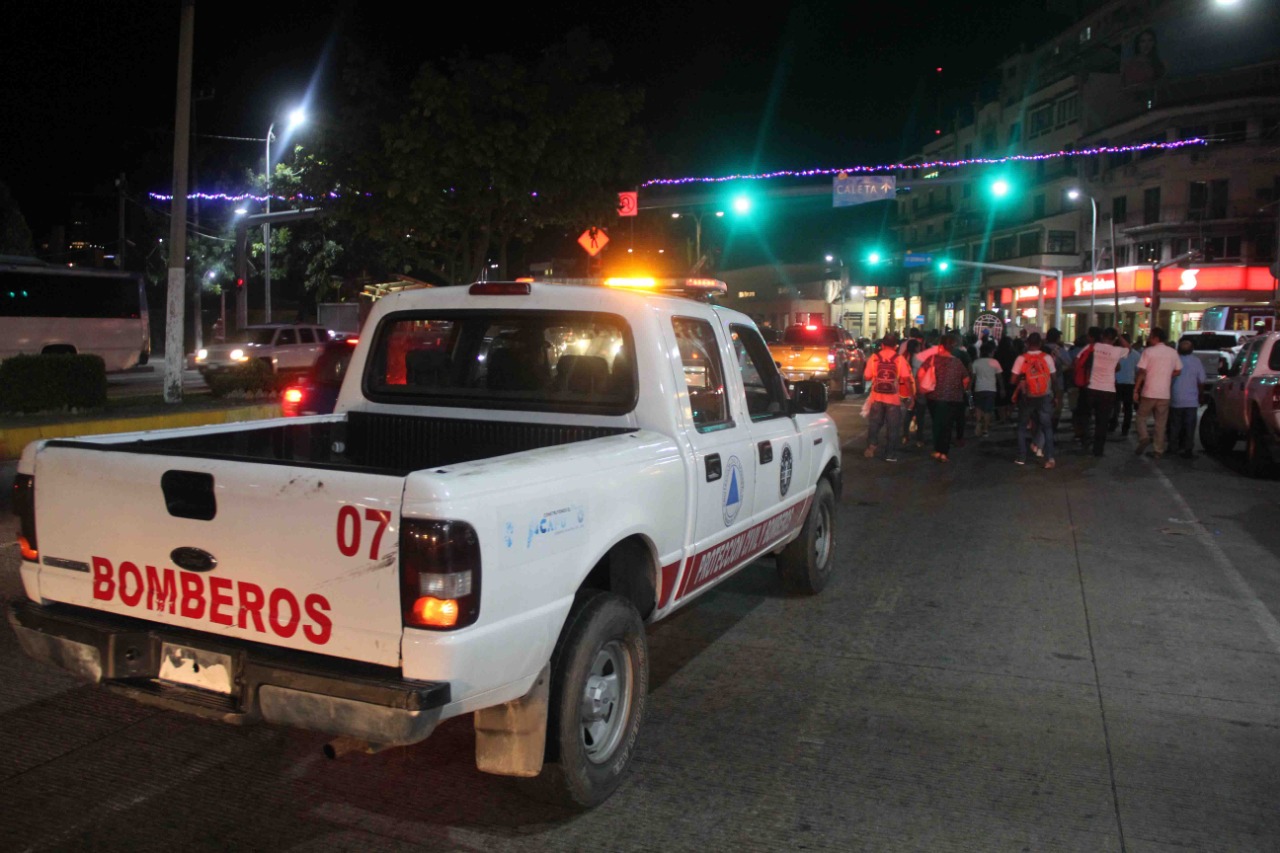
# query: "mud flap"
[[511, 738]]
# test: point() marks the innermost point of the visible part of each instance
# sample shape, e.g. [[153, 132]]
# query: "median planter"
[[252, 379], [52, 383]]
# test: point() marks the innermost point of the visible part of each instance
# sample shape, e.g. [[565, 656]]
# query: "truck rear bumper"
[[307, 691]]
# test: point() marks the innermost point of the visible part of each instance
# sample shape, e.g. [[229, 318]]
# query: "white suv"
[[1216, 349], [286, 347]]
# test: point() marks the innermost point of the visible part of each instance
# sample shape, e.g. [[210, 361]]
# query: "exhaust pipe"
[[340, 746]]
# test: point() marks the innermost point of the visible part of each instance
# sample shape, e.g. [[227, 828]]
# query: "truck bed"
[[365, 441]]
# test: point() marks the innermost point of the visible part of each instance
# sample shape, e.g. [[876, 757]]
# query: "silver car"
[[286, 347]]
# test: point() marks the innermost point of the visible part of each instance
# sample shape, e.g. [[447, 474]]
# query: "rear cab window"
[[560, 361], [818, 336]]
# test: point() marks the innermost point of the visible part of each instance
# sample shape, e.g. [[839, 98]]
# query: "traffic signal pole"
[[1057, 308]]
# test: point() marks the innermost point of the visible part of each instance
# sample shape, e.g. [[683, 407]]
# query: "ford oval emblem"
[[193, 559]]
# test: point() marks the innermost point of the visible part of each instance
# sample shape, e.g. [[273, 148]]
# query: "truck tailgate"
[[302, 558]]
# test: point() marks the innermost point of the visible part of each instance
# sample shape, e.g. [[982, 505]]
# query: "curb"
[[12, 440]]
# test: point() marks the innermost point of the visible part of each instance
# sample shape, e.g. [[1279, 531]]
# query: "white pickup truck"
[[517, 477]]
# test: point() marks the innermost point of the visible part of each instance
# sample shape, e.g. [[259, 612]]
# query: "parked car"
[[1246, 404], [285, 347], [1216, 349], [316, 393]]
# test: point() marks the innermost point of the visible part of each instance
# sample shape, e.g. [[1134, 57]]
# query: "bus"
[[52, 309], [1239, 318]]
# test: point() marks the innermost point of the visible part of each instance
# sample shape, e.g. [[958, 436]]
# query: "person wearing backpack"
[[884, 374], [1033, 393]]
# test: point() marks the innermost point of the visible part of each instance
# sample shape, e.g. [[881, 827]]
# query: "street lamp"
[[697, 230], [1075, 194], [296, 118]]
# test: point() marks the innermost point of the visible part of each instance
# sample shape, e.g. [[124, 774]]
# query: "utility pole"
[[174, 354], [121, 239]]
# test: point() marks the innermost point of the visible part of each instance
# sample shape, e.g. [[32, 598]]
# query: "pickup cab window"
[[760, 378], [703, 373], [536, 360], [286, 338]]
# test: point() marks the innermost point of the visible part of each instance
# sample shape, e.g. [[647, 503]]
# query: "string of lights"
[[802, 173], [932, 164]]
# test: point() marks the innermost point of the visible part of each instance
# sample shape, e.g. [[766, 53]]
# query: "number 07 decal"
[[349, 530]]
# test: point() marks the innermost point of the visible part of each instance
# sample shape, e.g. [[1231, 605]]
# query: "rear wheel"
[[599, 683], [805, 564], [1258, 450], [1213, 437]]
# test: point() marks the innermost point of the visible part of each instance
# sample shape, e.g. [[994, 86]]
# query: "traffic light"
[[943, 265], [741, 204], [1000, 187], [874, 257]]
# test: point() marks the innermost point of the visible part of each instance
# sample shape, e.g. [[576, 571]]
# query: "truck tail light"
[[831, 358], [291, 400], [24, 506], [439, 574]]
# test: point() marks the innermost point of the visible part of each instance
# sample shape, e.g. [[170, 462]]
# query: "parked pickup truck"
[[1246, 404], [516, 478]]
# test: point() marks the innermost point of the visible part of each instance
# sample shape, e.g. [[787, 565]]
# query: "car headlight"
[[202, 354], [238, 355]]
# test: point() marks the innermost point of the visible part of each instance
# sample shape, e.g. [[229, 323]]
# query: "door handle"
[[766, 452], [713, 467]]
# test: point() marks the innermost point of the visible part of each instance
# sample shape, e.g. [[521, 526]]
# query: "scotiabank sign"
[[1190, 283]]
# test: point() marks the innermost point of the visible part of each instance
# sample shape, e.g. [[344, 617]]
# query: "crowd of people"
[[1107, 383]]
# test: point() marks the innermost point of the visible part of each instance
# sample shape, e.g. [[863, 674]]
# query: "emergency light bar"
[[694, 288]]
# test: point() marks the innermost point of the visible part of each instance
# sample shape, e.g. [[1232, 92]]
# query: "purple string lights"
[[933, 164], [801, 173]]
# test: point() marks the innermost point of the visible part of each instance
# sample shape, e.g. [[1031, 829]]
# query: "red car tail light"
[[439, 574], [24, 506]]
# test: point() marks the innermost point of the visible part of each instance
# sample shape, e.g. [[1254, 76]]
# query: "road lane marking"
[[1266, 621]]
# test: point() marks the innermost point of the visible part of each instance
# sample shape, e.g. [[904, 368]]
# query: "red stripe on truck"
[[724, 557]]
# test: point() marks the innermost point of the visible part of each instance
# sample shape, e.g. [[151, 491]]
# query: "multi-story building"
[[1126, 73]]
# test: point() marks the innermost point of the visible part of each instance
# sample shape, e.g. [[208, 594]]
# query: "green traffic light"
[[943, 266], [1000, 188], [741, 204], [873, 258]]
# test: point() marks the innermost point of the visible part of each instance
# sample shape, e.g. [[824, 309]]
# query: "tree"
[[478, 155], [15, 234]]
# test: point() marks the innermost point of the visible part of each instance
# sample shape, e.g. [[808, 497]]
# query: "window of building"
[[1061, 243], [968, 150], [1147, 252], [1119, 208], [1269, 128], [928, 230], [1067, 109], [915, 205], [1207, 199], [1193, 131], [1037, 206], [1028, 243], [1004, 247], [989, 141], [1119, 158], [1015, 132], [1121, 256], [1151, 206], [1040, 121], [965, 190]]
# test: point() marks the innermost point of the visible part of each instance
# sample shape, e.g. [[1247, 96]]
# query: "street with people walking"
[[1007, 657]]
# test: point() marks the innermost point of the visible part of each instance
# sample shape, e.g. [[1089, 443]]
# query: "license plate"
[[195, 668]]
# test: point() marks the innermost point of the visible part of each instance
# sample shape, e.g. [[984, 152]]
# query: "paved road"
[[1010, 659]]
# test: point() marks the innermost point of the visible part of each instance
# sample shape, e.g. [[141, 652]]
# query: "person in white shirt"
[[988, 383], [1156, 368], [1102, 386]]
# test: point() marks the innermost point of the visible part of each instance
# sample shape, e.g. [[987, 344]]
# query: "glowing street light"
[[296, 117]]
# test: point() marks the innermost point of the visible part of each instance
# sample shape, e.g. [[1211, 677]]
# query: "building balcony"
[[1176, 220]]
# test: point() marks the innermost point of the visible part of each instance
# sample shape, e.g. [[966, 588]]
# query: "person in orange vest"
[[889, 377]]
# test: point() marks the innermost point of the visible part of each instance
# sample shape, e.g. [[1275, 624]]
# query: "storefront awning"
[[1200, 284]]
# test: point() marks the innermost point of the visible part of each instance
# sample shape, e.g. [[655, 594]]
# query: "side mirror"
[[809, 397]]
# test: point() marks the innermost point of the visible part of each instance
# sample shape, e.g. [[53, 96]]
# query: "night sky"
[[89, 87]]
